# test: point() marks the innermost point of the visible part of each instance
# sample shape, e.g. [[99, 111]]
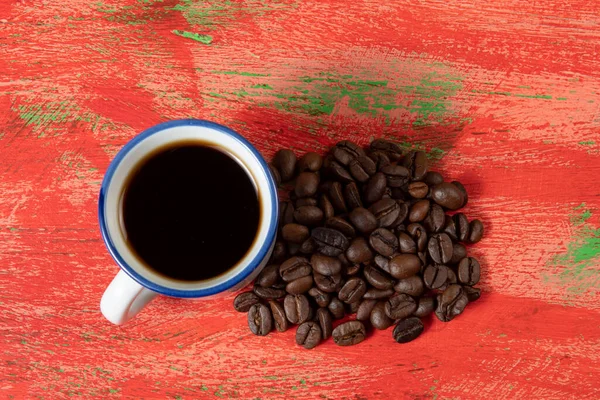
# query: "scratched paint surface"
[[504, 96]]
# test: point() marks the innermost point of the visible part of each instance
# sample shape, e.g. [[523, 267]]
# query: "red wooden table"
[[503, 95]]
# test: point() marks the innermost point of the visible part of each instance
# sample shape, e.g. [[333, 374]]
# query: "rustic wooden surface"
[[503, 95]]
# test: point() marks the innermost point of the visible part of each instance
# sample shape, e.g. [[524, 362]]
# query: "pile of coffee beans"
[[364, 232]]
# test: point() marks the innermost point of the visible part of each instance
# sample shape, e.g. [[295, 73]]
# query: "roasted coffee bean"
[[377, 278], [352, 196], [307, 184], [419, 211], [311, 162], [435, 220], [447, 195], [451, 280], [364, 310], [459, 251], [359, 251], [380, 158], [349, 333], [376, 294], [306, 201], [407, 243], [468, 271], [279, 252], [308, 215], [387, 194], [384, 242], [308, 246], [476, 231], [297, 308], [463, 190], [396, 175], [412, 286], [268, 276], [473, 294], [338, 172], [450, 228], [440, 248], [275, 174], [244, 301], [340, 224], [279, 319], [336, 195], [346, 151], [399, 193], [416, 163], [328, 284], [268, 293], [325, 265], [378, 318], [293, 248], [285, 162], [353, 290], [392, 149], [403, 207], [336, 308], [419, 234], [321, 298], [451, 303], [363, 220], [462, 228], [325, 322], [418, 190], [330, 242], [308, 335], [286, 213], [400, 306], [386, 211], [404, 265], [408, 330], [300, 285], [326, 207], [260, 320], [433, 178], [423, 257], [352, 308], [383, 263], [426, 305], [362, 168], [435, 276], [295, 233], [351, 270], [375, 188]]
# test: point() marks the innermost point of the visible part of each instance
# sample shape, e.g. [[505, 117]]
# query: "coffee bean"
[[328, 284], [407, 244], [268, 276], [396, 175], [353, 290], [244, 301], [433, 178], [392, 149], [419, 211], [285, 162], [386, 211], [423, 257], [404, 265], [419, 235], [352, 308], [308, 246], [378, 317], [336, 195], [435, 220], [462, 228], [384, 242], [400, 306], [403, 213], [275, 174], [308, 215], [359, 251], [308, 335], [340, 224], [260, 320], [416, 163], [330, 242], [376, 294], [459, 251], [362, 168], [311, 162], [300, 285], [435, 276], [473, 294], [463, 190], [338, 172], [286, 213], [364, 310], [418, 190], [293, 249], [363, 220], [378, 279], [352, 270], [321, 298], [451, 303], [476, 231], [468, 271], [346, 151], [375, 188], [440, 248], [279, 319], [380, 158], [352, 196], [412, 286], [325, 322], [447, 195], [451, 280], [382, 262], [295, 233], [297, 308], [450, 228], [399, 193], [426, 305], [325, 265], [279, 252], [326, 207], [306, 201], [408, 330], [336, 308], [268, 293], [349, 333], [307, 184]]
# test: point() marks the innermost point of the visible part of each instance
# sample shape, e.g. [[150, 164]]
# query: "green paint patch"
[[241, 73], [204, 39], [587, 143], [271, 377]]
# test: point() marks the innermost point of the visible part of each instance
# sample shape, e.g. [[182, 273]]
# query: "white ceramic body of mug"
[[136, 284]]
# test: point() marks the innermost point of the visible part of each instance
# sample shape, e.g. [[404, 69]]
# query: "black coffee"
[[191, 212]]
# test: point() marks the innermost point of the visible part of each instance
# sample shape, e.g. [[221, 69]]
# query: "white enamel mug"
[[137, 284]]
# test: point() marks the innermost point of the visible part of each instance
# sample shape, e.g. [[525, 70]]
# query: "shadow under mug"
[[137, 284]]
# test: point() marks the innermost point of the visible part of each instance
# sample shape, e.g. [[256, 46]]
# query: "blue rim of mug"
[[223, 286]]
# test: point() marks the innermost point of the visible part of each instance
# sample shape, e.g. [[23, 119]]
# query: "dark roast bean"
[[459, 251], [473, 294], [311, 161], [364, 310], [308, 246], [418, 190], [268, 276], [352, 308], [383, 263], [336, 195], [285, 161], [412, 286], [353, 290], [400, 306], [384, 242], [325, 265], [399, 193], [340, 224], [330, 242], [307, 184], [275, 174], [326, 207], [435, 220], [435, 276], [447, 195], [300, 285], [440, 248], [375, 294], [260, 320], [416, 163], [386, 146], [328, 284], [308, 215], [352, 270], [378, 318], [476, 231], [468, 271], [244, 301], [386, 211], [433, 178], [295, 233], [297, 308], [396, 175], [404, 265], [403, 207], [451, 303], [359, 251], [451, 280], [321, 298], [419, 211], [349, 333], [325, 322], [338, 172], [293, 248], [387, 194], [378, 279], [308, 335], [426, 305], [279, 252], [419, 234], [294, 268], [423, 257], [463, 190], [306, 201], [407, 244], [380, 158], [450, 228], [286, 213], [362, 168], [336, 308], [279, 319], [346, 151], [408, 330], [352, 196], [462, 228], [363, 220], [375, 188], [268, 293]]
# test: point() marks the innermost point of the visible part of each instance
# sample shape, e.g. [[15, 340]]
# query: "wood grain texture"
[[504, 96]]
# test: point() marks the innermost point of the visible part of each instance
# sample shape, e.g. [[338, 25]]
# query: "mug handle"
[[124, 298]]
